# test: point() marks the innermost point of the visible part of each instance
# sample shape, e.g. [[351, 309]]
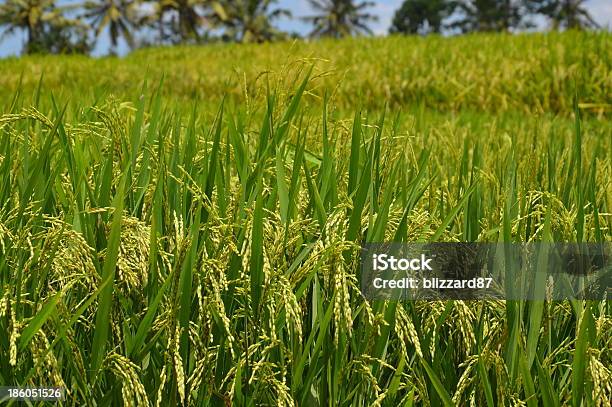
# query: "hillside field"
[[182, 226]]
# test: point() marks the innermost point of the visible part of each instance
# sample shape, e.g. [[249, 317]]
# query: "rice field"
[[182, 226]]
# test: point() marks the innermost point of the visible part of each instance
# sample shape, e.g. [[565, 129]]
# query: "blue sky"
[[601, 10]]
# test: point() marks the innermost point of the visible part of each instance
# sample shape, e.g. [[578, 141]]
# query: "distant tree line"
[[53, 26], [463, 16]]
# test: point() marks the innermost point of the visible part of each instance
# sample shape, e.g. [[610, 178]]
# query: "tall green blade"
[[103, 315]]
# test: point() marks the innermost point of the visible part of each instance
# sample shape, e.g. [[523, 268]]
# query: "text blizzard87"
[[433, 283]]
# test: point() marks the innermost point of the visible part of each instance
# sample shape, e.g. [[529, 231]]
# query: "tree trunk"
[[161, 28], [30, 41]]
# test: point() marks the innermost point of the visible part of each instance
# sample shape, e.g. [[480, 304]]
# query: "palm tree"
[[248, 20], [119, 16], [33, 16], [189, 17], [340, 18], [178, 20]]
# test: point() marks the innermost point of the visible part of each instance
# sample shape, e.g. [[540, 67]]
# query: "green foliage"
[[420, 16]]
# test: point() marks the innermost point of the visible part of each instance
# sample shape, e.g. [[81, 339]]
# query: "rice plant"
[[534, 73], [160, 251]]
